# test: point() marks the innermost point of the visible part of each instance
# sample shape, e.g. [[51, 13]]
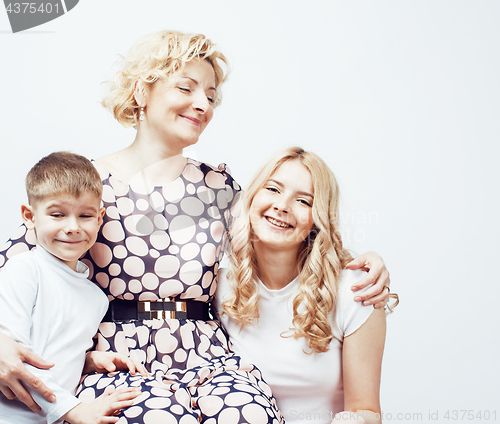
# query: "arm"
[[362, 362], [12, 354], [18, 295], [377, 295]]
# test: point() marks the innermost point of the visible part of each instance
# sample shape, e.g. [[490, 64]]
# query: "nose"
[[201, 103], [281, 204], [72, 226]]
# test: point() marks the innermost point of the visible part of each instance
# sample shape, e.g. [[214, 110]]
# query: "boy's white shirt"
[[55, 312]]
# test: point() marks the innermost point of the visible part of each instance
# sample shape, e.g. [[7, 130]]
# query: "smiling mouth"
[[278, 223], [194, 121]]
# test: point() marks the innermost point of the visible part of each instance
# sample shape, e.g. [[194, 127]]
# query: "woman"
[[286, 300], [162, 239]]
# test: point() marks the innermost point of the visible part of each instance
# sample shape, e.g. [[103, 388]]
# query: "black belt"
[[132, 310]]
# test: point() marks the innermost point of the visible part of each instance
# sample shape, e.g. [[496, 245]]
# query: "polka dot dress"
[[167, 242]]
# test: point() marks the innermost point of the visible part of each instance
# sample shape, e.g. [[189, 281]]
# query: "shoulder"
[[21, 260], [22, 267], [347, 279], [350, 315], [217, 176], [101, 168]]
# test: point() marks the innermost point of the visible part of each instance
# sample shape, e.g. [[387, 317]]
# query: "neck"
[[145, 163], [276, 269]]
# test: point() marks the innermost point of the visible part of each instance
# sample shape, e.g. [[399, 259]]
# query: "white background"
[[400, 97]]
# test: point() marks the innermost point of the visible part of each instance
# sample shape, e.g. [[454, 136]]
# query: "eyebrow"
[[304, 193], [196, 82], [59, 204]]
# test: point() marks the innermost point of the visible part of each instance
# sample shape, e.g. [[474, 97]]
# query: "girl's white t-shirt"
[[307, 387]]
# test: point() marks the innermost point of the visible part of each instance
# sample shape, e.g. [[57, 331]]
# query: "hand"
[[103, 409], [13, 371], [103, 362], [377, 295]]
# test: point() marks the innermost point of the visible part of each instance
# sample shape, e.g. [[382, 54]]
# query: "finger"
[[117, 406], [381, 298], [20, 373], [356, 263], [370, 293], [20, 392], [142, 369], [30, 358], [130, 365], [109, 366], [378, 277], [9, 394], [109, 419]]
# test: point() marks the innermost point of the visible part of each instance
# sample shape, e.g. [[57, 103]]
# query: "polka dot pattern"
[[175, 232], [202, 382], [168, 242]]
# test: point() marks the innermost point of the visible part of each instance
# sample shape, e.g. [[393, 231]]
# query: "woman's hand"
[[103, 362], [377, 295], [13, 371], [103, 409]]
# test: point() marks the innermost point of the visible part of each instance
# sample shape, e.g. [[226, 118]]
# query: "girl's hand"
[[378, 294], [104, 408], [13, 372], [103, 362]]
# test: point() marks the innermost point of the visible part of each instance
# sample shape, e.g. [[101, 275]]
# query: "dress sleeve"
[[21, 241], [18, 295], [350, 315], [234, 192]]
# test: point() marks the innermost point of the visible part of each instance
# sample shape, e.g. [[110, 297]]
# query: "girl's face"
[[281, 211], [178, 109]]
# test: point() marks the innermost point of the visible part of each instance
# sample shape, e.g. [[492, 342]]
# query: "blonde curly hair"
[[320, 262], [157, 56]]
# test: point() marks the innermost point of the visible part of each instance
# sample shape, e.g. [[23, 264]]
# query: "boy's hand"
[[103, 409], [103, 362], [13, 371]]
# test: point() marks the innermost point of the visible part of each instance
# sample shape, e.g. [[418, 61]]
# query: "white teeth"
[[278, 223]]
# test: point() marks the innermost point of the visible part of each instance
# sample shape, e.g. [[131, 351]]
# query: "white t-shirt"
[[55, 312], [308, 388]]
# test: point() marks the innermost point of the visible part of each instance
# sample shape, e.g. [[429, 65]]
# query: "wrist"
[[73, 415]]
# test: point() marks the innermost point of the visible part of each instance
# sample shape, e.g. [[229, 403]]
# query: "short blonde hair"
[[157, 56], [62, 173], [319, 264]]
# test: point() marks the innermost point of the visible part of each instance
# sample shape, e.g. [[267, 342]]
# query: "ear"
[[28, 216], [140, 94], [100, 216]]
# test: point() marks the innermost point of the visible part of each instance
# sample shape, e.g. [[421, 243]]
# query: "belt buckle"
[[166, 312]]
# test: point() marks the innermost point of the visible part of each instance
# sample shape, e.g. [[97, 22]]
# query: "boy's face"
[[65, 226]]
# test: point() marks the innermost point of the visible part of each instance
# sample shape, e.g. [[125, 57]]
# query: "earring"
[[141, 114]]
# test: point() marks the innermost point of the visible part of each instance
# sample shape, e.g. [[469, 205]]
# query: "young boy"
[[46, 301]]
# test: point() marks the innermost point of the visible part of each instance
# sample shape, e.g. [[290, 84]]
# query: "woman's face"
[[178, 109], [281, 211]]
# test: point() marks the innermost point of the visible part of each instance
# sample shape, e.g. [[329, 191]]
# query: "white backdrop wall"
[[401, 98]]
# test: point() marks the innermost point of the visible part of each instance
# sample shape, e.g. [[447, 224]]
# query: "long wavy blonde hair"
[[157, 56], [320, 262]]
